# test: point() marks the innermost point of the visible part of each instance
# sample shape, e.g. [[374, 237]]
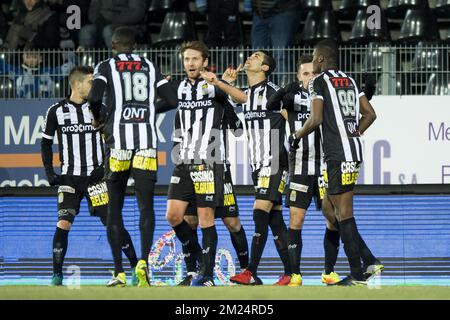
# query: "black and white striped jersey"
[[198, 121], [80, 144], [306, 160], [131, 83], [340, 125], [266, 129]]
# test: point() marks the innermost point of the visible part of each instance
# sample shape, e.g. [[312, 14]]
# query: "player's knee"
[[296, 224], [63, 224], [173, 218], [331, 226], [232, 224], [263, 205], [297, 218], [66, 216]]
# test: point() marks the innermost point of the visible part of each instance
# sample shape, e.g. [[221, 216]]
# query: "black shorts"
[[72, 190], [199, 184], [341, 176], [270, 186], [229, 208], [143, 162], [302, 189]]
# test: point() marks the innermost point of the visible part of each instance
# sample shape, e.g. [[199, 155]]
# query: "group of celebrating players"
[[304, 138]]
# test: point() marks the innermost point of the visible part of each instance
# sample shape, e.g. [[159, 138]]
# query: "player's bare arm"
[[314, 120], [368, 114], [236, 94], [95, 101]]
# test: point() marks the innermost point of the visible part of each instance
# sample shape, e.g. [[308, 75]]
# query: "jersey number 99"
[[347, 102]]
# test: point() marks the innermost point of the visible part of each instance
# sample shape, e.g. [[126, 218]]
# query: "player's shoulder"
[[319, 79], [101, 65], [54, 107], [58, 104], [273, 86]]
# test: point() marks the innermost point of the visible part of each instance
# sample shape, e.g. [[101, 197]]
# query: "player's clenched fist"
[[209, 77]]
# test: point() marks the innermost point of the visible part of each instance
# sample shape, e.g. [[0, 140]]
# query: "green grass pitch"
[[227, 293]]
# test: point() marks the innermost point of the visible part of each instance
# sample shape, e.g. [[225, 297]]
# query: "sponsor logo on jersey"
[[132, 114], [175, 180], [194, 104], [128, 65], [98, 194], [303, 116], [349, 172], [203, 181], [341, 82], [298, 187], [67, 189], [77, 128], [249, 115]]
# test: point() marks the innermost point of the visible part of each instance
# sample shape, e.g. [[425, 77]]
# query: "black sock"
[[240, 244], [144, 195], [280, 233], [59, 249], [349, 235], [209, 245], [261, 219], [190, 259], [366, 255], [331, 248], [128, 248], [115, 234], [295, 249], [189, 242]]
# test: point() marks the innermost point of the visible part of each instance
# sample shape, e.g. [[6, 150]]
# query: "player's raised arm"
[[236, 94], [368, 114]]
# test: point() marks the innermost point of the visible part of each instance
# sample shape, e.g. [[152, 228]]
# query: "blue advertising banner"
[[21, 123]]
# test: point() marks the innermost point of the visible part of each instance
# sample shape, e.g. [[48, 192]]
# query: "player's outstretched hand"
[[294, 141], [209, 77], [230, 75]]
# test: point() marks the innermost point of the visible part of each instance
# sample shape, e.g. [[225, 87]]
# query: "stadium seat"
[[427, 57], [418, 25], [438, 84], [398, 8], [442, 9], [160, 5], [362, 34], [318, 5], [176, 28], [319, 26], [373, 61], [349, 8]]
